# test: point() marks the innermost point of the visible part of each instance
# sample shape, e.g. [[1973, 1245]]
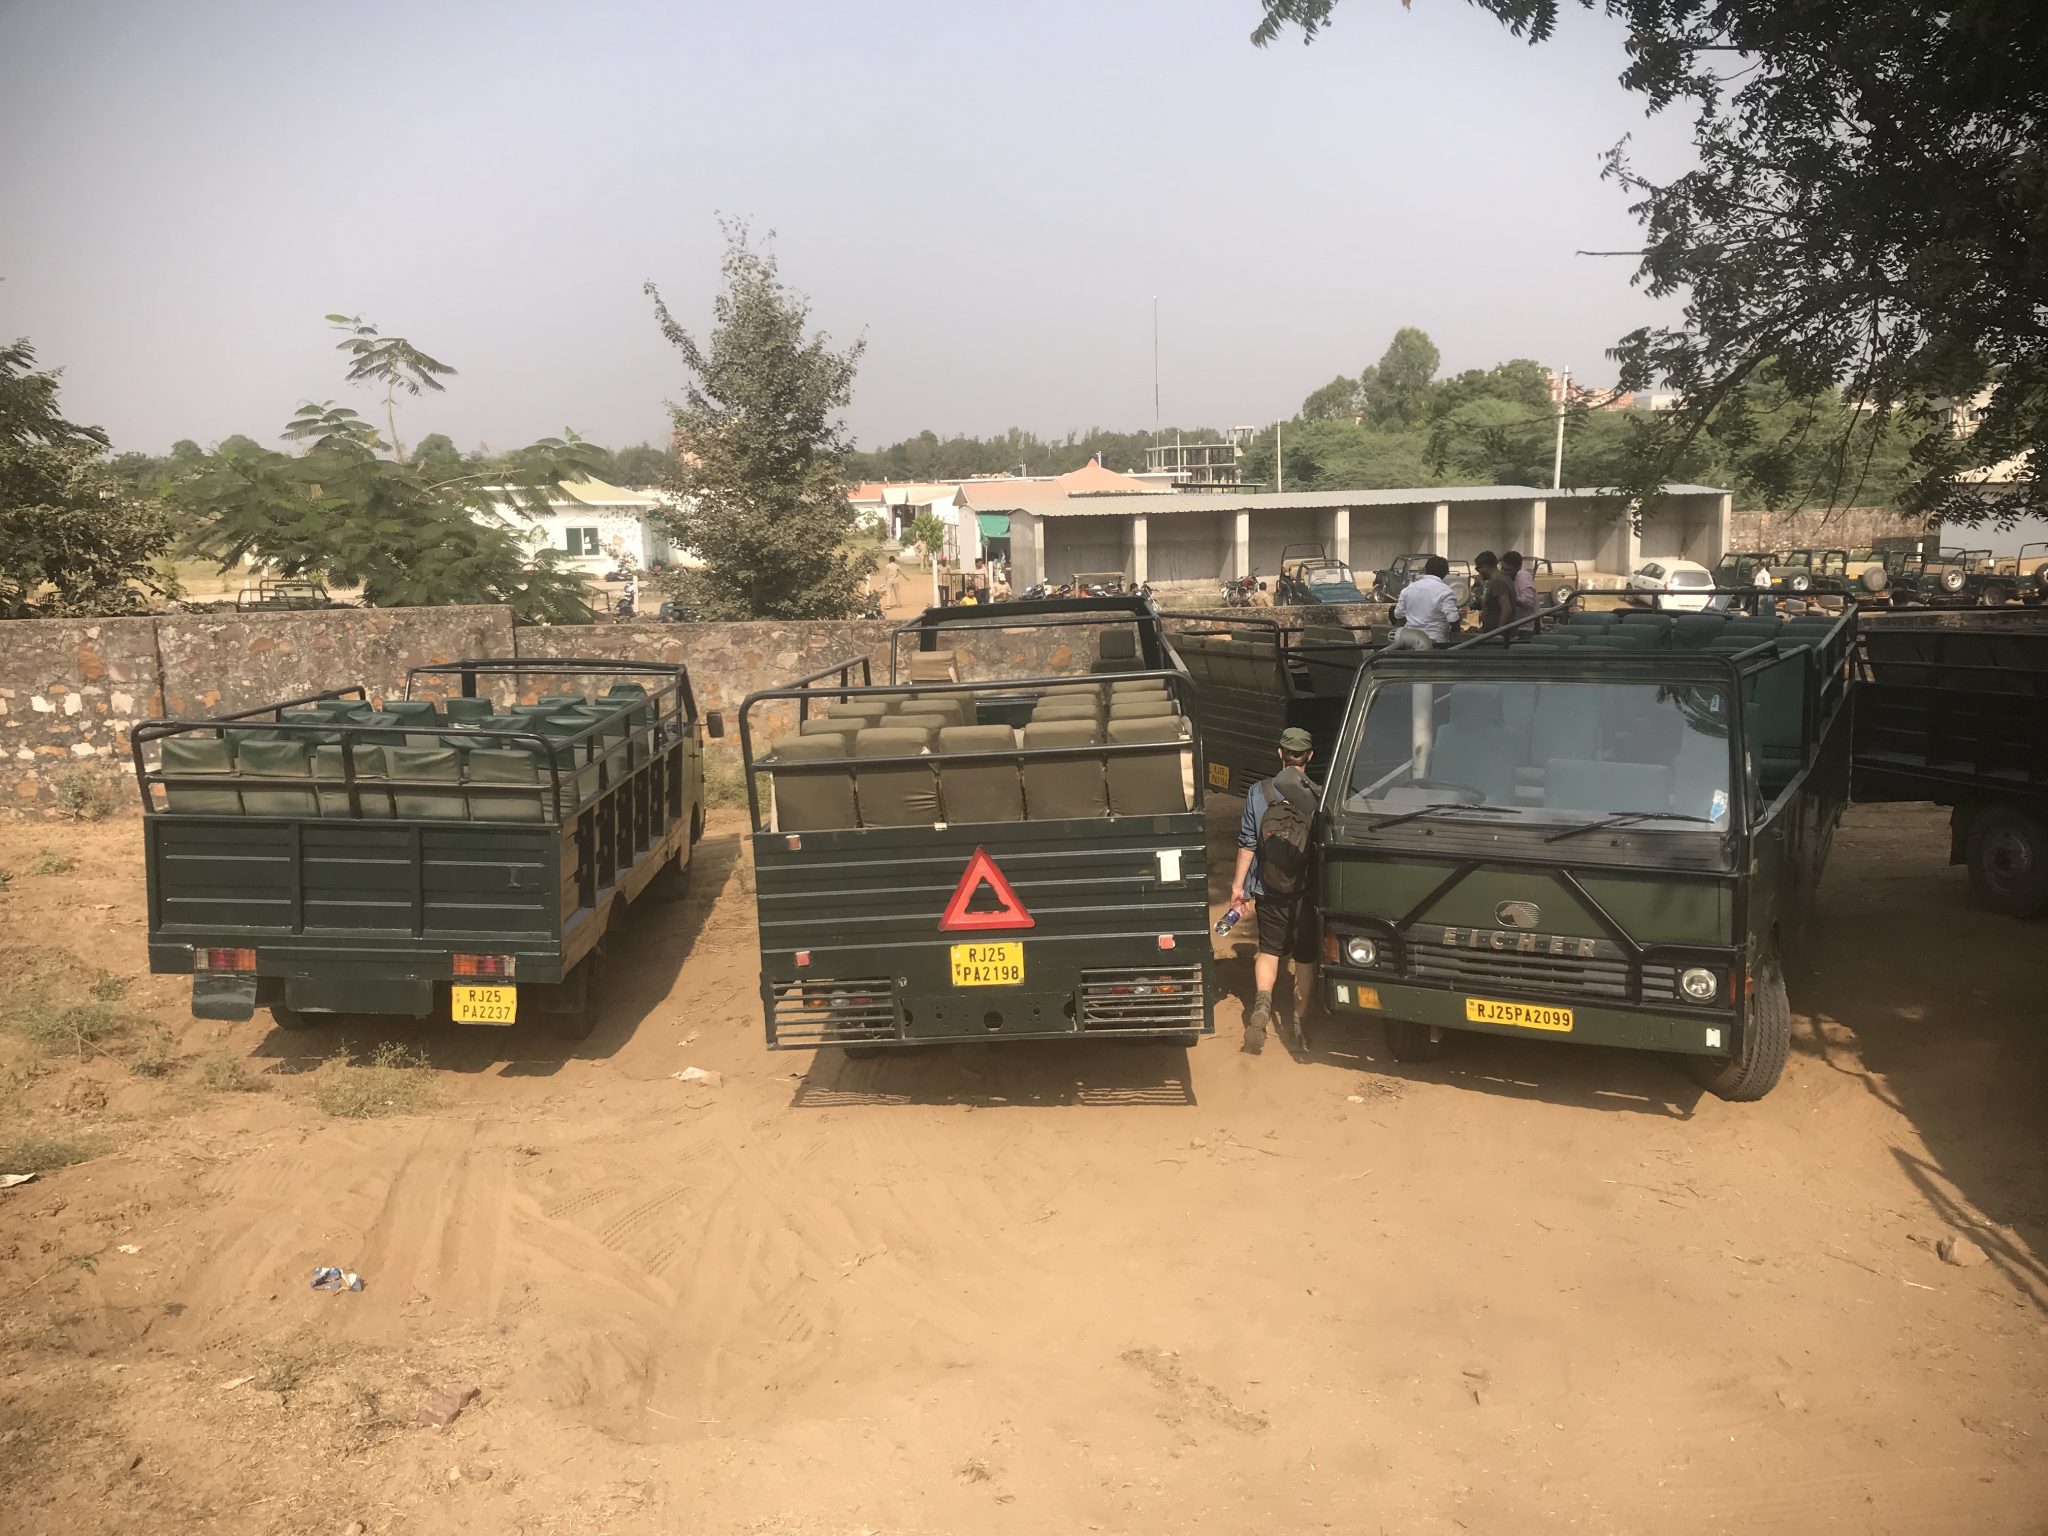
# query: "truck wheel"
[[696, 826], [1411, 1042], [581, 1023], [2009, 861], [1754, 1070], [1996, 596], [673, 883]]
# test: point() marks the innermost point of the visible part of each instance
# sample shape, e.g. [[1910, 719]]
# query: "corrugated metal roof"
[[1236, 501]]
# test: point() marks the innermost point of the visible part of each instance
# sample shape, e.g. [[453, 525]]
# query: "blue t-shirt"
[[1255, 802]]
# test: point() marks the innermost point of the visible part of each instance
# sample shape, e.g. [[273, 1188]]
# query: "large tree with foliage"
[[1867, 216], [347, 507], [757, 493], [75, 536]]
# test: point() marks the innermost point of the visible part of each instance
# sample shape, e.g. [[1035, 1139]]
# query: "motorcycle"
[[1043, 590], [1238, 593]]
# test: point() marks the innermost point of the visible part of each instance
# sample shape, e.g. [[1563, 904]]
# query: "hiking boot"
[[1255, 1024]]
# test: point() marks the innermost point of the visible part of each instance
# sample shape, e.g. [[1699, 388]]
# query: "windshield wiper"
[[1431, 810], [1623, 818]]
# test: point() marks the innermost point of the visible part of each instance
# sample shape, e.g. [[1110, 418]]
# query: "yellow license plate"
[[1482, 1010], [484, 1005], [988, 965], [1219, 776]]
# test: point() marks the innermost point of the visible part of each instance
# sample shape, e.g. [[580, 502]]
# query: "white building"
[[591, 525]]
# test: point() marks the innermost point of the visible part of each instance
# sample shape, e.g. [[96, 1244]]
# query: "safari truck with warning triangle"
[[1607, 831], [982, 847]]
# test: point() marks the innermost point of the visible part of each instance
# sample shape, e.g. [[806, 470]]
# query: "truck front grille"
[[1603, 974], [1142, 999], [808, 1013]]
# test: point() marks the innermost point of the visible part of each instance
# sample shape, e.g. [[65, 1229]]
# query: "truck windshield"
[[1551, 753]]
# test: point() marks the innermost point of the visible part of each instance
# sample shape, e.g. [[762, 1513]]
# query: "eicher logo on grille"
[[1518, 943], [1517, 914]]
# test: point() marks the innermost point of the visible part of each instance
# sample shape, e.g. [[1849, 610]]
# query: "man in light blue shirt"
[[1428, 605]]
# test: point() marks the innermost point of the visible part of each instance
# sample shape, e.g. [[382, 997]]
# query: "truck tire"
[[1755, 1068], [673, 883], [581, 1023], [1875, 579], [2008, 856], [1995, 595], [696, 825], [1411, 1042]]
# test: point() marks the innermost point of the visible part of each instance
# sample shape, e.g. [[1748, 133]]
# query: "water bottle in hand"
[[1229, 919]]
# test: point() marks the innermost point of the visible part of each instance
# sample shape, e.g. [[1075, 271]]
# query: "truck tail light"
[[223, 959], [486, 965]]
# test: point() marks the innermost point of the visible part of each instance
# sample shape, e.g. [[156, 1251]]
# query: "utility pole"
[[1564, 388], [1279, 459]]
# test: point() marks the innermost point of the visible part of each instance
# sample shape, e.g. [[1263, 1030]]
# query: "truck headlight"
[[1700, 984], [1361, 952]]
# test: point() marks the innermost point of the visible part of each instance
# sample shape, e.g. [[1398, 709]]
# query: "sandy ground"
[[1532, 1288]]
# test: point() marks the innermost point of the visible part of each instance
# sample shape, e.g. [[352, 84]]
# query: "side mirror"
[[714, 725]]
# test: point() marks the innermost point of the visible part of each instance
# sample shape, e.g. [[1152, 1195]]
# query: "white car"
[[1683, 586]]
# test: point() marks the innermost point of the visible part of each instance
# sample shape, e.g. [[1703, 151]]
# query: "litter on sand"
[[9, 1180], [328, 1278], [127, 1248], [699, 1075]]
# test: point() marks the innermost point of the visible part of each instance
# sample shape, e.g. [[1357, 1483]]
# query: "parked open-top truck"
[[1959, 717], [1256, 675], [461, 850], [979, 849], [1608, 833]]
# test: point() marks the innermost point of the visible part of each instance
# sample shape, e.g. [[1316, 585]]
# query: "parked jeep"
[[1387, 584], [1923, 580], [1557, 581], [1308, 577], [2030, 573]]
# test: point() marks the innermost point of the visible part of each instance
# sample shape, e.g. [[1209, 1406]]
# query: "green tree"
[[1395, 390], [757, 492], [437, 458], [1491, 441], [346, 506], [640, 466], [1865, 212], [1335, 401], [75, 538], [391, 361]]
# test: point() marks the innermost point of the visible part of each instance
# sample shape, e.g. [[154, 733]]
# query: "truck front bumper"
[[1695, 1032]]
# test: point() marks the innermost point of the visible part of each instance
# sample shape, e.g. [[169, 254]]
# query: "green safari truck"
[[1609, 832], [460, 852], [1256, 675], [982, 848]]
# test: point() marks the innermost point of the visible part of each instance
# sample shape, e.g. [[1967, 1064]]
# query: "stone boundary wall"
[[71, 689], [1818, 528]]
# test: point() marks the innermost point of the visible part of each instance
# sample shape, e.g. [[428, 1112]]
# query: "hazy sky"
[[991, 190]]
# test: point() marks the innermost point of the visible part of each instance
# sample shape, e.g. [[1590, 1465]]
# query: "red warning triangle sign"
[[981, 870]]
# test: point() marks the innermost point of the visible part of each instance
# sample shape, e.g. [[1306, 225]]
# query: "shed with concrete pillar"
[[1197, 540]]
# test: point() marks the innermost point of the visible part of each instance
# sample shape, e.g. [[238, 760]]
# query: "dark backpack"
[[1283, 846]]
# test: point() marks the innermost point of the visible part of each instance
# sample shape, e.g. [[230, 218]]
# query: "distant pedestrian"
[[1273, 874], [1495, 594], [1427, 605], [1527, 600]]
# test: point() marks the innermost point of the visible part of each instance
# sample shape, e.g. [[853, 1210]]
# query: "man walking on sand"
[[1273, 873]]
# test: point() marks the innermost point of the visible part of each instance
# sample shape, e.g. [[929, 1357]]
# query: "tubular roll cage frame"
[[677, 686]]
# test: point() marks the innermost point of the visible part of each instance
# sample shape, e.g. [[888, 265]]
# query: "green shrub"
[[50, 862], [396, 1080], [83, 793], [222, 1073]]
